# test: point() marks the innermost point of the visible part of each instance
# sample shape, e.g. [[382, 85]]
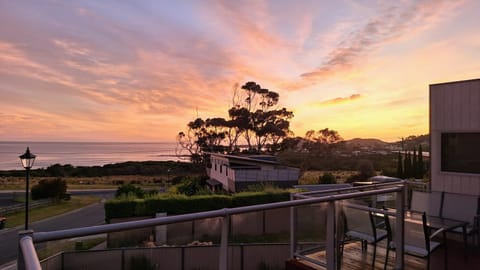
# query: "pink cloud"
[[393, 22], [341, 100]]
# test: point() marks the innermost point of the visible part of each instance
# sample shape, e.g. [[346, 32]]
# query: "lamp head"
[[27, 159]]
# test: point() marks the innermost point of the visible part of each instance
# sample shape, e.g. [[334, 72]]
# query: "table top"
[[435, 222]]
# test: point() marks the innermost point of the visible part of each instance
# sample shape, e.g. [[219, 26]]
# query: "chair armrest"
[[435, 233]]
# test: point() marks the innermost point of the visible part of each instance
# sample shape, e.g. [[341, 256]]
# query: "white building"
[[455, 136], [235, 173]]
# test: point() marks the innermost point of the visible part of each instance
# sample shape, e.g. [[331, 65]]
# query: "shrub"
[[129, 190], [177, 204], [327, 178], [365, 169], [51, 188], [189, 186]]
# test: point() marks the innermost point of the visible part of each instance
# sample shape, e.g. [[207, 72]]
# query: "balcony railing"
[[28, 258]]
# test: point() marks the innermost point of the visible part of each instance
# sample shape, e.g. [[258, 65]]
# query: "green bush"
[[181, 204], [327, 178], [124, 208], [129, 190], [51, 188]]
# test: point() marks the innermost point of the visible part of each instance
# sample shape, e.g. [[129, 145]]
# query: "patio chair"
[[464, 208], [417, 237], [359, 225], [429, 202]]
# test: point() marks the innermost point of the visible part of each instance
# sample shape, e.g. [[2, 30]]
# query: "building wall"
[[219, 171], [454, 107], [235, 179]]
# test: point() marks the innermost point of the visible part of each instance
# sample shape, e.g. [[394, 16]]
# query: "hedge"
[[181, 204]]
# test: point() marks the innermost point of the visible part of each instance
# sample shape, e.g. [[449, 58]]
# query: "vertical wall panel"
[[454, 107]]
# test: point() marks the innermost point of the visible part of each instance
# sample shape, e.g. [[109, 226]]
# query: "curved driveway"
[[87, 216]]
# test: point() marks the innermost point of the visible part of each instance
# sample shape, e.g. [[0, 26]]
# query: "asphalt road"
[[87, 216]]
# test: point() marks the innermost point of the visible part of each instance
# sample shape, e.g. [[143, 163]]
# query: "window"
[[461, 152], [215, 166], [221, 168]]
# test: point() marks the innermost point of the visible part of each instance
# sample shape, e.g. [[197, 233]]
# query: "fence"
[[21, 206], [241, 257], [28, 258]]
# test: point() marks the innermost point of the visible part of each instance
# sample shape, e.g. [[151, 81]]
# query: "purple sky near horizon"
[[139, 71]]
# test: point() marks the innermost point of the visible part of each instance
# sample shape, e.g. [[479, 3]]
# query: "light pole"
[[27, 162]]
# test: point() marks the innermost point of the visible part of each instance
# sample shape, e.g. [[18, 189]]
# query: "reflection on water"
[[84, 153]]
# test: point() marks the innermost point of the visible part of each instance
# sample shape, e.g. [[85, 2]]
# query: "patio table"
[[435, 223]]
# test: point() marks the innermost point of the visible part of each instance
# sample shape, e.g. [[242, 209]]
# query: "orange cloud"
[[393, 22], [340, 100]]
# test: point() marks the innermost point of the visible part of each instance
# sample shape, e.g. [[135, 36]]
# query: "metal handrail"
[[38, 237], [77, 232], [309, 194], [30, 257]]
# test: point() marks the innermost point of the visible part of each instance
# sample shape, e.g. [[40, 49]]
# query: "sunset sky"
[[140, 70]]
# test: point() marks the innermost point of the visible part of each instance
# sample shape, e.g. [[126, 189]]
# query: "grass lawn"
[[40, 213], [54, 247], [104, 182]]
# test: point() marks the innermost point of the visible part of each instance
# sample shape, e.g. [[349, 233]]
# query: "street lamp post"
[[27, 162]]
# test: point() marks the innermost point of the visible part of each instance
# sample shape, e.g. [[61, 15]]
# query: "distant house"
[[455, 136], [234, 173]]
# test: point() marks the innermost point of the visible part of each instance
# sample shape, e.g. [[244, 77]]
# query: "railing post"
[[223, 260], [293, 228], [20, 260], [399, 227], [27, 256], [331, 237]]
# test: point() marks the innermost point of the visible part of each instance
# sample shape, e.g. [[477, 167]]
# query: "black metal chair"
[[417, 237], [359, 225]]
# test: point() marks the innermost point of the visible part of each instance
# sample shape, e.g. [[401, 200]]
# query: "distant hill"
[[409, 142], [370, 143]]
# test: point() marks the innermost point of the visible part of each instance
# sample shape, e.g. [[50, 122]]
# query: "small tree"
[[129, 190], [327, 178], [52, 188], [365, 169]]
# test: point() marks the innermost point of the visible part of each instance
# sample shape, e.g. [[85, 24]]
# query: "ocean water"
[[83, 153]]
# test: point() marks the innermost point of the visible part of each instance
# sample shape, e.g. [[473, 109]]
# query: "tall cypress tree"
[[414, 163], [400, 166], [407, 167], [421, 165]]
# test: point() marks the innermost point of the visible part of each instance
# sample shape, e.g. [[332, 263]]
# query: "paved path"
[[87, 216]]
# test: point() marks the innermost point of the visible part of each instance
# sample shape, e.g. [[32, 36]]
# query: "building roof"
[[265, 159], [461, 81]]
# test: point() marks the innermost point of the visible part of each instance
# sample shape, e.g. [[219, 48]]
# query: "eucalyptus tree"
[[253, 119]]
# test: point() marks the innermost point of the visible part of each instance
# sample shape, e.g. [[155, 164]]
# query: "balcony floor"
[[353, 258]]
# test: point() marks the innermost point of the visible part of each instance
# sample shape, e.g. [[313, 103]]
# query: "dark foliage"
[[327, 178], [51, 188], [252, 117], [129, 190], [167, 168], [181, 204]]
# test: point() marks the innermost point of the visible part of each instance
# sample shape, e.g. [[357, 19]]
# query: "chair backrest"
[[415, 230], [359, 220], [428, 202], [460, 206]]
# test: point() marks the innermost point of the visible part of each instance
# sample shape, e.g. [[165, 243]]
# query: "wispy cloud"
[[340, 100], [392, 22]]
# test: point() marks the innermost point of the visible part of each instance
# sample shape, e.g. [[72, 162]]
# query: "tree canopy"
[[255, 124]]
